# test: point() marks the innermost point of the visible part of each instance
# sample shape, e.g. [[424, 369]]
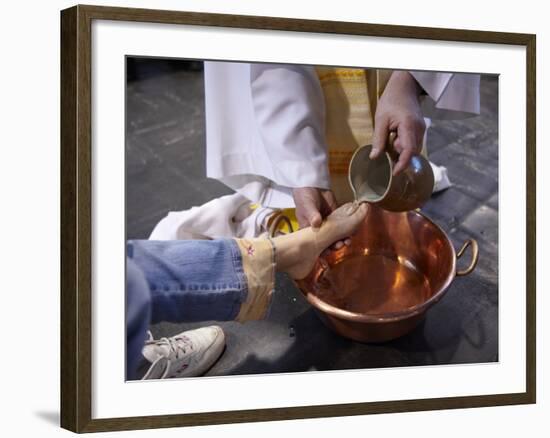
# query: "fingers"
[[328, 203], [399, 109], [330, 200], [315, 219], [351, 207], [308, 206], [379, 137], [308, 215], [408, 142], [359, 212], [403, 162], [362, 210]]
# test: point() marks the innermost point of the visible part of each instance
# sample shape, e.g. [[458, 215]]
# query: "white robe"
[[263, 140]]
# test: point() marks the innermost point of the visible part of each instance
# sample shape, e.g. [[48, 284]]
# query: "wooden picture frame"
[[76, 217]]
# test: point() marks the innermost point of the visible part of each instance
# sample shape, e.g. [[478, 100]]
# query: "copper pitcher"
[[372, 180]]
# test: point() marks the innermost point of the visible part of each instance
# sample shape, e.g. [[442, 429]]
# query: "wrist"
[[405, 82]]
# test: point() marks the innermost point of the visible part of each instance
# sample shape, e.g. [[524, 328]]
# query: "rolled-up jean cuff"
[[258, 257]]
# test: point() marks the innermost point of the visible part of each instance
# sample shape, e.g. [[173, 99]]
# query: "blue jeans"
[[177, 281]]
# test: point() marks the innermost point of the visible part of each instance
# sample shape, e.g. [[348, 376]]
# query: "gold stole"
[[351, 95]]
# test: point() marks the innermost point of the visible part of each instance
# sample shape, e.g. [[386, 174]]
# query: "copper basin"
[[381, 286]]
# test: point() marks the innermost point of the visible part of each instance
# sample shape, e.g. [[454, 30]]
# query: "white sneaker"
[[189, 354]]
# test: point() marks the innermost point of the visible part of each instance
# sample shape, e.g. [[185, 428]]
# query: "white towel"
[[225, 217]]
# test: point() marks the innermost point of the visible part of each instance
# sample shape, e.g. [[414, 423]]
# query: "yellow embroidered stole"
[[350, 95]]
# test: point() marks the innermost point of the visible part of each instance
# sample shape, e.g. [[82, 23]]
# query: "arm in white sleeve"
[[289, 110], [449, 95]]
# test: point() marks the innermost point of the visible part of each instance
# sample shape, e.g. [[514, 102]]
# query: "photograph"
[[295, 218], [275, 219]]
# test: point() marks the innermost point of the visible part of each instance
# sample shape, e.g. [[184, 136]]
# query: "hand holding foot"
[[297, 252]]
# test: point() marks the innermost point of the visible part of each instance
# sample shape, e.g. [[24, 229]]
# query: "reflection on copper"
[[379, 288], [372, 181]]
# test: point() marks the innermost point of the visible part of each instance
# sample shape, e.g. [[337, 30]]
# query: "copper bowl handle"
[[280, 217], [475, 256]]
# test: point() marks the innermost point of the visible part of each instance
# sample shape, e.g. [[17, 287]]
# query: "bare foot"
[[297, 252], [341, 223]]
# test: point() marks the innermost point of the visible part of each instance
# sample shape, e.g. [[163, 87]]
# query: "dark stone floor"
[[165, 171]]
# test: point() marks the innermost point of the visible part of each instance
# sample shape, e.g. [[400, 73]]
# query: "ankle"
[[293, 250], [288, 250]]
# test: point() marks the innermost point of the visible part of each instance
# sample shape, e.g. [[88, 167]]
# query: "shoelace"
[[176, 345]]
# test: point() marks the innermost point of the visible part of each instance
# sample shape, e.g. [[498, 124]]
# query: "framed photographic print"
[[268, 218]]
